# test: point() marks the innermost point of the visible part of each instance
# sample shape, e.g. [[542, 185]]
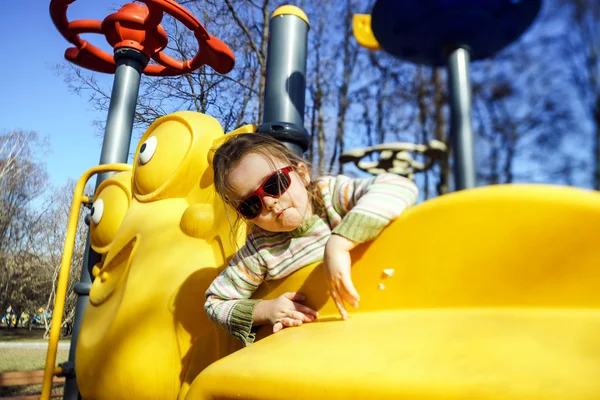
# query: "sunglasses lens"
[[251, 207], [277, 184]]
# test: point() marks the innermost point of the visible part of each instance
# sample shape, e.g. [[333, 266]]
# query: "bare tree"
[[318, 87], [581, 51], [50, 243], [352, 91], [22, 182], [349, 56], [439, 122], [517, 116], [421, 91], [33, 222], [230, 98]]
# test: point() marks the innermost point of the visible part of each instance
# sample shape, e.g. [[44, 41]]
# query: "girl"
[[294, 221]]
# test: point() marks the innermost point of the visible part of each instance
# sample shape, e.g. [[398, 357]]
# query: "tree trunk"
[[597, 143], [440, 128], [422, 106], [343, 101], [263, 67]]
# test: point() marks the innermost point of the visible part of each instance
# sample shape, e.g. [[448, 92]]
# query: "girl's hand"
[[337, 266], [283, 311]]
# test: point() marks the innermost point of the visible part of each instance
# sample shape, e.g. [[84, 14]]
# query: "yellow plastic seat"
[[493, 295], [419, 354]]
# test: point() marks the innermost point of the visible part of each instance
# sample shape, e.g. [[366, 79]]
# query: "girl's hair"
[[230, 153]]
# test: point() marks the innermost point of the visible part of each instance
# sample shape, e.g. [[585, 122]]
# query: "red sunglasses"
[[274, 186]]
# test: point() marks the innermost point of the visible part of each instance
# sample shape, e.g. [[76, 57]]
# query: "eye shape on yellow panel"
[[97, 211], [147, 150], [160, 155], [107, 213]]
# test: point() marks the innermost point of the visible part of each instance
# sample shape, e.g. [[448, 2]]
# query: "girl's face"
[[282, 214]]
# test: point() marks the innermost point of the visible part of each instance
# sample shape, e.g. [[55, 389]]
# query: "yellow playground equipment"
[[486, 293]]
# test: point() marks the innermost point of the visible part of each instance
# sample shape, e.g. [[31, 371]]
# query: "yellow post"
[[63, 276]]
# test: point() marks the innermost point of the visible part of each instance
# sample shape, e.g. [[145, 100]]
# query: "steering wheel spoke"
[[396, 157], [85, 59]]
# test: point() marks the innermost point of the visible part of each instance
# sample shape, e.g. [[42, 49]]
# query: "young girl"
[[294, 221]]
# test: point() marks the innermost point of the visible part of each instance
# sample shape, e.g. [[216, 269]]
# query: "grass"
[[20, 359], [29, 390], [27, 359]]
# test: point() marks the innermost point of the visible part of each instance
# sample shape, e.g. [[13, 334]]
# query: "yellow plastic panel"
[[517, 245], [114, 195], [168, 160], [145, 334], [361, 28], [493, 294], [494, 354]]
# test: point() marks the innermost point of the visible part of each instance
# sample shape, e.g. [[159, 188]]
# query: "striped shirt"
[[357, 209]]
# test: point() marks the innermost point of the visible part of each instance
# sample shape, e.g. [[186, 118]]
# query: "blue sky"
[[35, 97]]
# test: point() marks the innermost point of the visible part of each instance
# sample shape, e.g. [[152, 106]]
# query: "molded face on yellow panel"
[[111, 273], [145, 334], [171, 154], [111, 202]]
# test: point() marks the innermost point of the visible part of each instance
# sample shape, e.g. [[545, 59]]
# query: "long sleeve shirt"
[[357, 209]]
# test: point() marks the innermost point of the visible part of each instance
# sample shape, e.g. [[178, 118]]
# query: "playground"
[[483, 291]]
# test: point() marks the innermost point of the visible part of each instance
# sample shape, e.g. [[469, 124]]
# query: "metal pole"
[[119, 123], [115, 149], [283, 115], [286, 70], [461, 133]]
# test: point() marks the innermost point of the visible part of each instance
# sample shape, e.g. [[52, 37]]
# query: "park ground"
[[22, 349]]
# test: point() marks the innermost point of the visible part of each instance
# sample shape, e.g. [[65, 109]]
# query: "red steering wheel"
[[137, 26]]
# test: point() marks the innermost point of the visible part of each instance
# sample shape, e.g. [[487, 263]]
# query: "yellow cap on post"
[[290, 10], [361, 27]]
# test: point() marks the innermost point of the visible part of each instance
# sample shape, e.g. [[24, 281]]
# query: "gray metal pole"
[[286, 70], [461, 133], [115, 149], [285, 86], [119, 123]]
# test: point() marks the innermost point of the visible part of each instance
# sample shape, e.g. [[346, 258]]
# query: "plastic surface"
[[494, 296], [489, 293], [115, 196], [290, 10], [361, 28], [423, 31], [296, 137], [145, 334], [136, 26]]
